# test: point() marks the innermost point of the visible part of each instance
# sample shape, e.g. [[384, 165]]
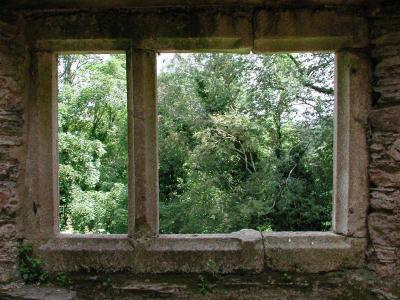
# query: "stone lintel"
[[308, 30], [241, 30]]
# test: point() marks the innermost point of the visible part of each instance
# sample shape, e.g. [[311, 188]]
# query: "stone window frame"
[[143, 250]]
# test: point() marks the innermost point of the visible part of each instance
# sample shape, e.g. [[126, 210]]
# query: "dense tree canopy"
[[92, 137], [245, 141]]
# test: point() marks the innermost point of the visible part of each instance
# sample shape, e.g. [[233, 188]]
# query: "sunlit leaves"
[[93, 143], [255, 141], [244, 142]]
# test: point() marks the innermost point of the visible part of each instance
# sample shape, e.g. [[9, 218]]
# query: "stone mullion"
[[143, 179]]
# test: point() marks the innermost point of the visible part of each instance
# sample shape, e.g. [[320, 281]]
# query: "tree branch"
[[307, 83]]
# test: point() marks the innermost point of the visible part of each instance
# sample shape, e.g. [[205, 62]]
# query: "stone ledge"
[[352, 284], [87, 252], [89, 242], [312, 252], [216, 253], [243, 251], [221, 253]]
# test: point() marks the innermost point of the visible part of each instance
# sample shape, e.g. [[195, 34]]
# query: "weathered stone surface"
[[307, 30], [8, 245], [177, 3], [143, 155], [10, 122], [384, 229], [385, 199], [383, 150], [394, 151], [384, 221], [241, 251], [8, 199], [222, 28], [385, 235], [385, 175], [221, 253], [214, 29], [273, 285], [19, 291], [10, 95], [352, 104], [384, 170], [386, 40], [312, 252], [77, 252], [385, 119], [11, 125]]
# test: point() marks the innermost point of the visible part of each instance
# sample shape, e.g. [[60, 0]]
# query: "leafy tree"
[[258, 152], [244, 142], [93, 143]]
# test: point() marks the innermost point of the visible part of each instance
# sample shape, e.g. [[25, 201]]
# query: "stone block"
[[385, 175], [8, 271], [385, 199], [312, 252], [386, 118], [307, 30], [394, 150], [202, 30], [38, 293], [10, 123], [178, 30], [215, 253], [87, 252], [10, 95], [8, 231], [384, 229]]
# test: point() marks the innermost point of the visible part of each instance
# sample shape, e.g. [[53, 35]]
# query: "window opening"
[[245, 141], [92, 143]]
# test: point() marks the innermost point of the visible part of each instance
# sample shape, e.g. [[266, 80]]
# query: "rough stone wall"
[[11, 136], [384, 217]]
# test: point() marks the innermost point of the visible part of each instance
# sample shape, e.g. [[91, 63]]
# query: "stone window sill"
[[243, 251]]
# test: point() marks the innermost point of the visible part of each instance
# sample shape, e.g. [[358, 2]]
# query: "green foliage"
[[244, 142], [62, 279], [93, 143], [203, 285], [30, 268], [95, 211]]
